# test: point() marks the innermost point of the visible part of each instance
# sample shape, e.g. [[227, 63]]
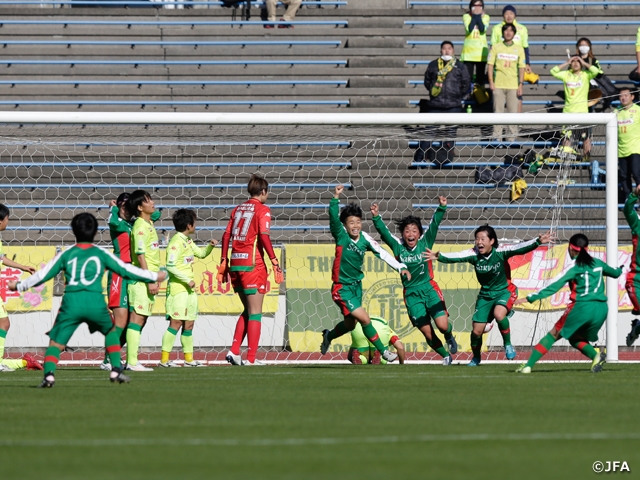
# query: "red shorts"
[[255, 281], [633, 285], [118, 291]]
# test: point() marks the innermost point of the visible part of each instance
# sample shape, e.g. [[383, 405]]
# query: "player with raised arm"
[[351, 246], [633, 277], [27, 361], [587, 309], [362, 351], [182, 301], [83, 266], [497, 294], [146, 255], [422, 295], [248, 235]]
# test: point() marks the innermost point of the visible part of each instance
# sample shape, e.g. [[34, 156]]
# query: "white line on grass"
[[300, 442]]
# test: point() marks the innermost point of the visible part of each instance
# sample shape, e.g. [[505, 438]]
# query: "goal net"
[[541, 176]]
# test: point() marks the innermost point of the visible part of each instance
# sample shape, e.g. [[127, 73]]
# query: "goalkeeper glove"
[[278, 274], [223, 271]]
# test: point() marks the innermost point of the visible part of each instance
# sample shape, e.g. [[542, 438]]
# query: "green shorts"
[[485, 304], [347, 297], [582, 320], [182, 306], [77, 309], [140, 300], [425, 305]]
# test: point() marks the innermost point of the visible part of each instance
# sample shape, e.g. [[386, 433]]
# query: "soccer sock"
[[3, 336], [438, 347], [253, 334], [476, 345], [240, 333], [339, 330], [371, 334], [122, 335], [133, 342], [585, 348], [449, 333], [112, 344], [51, 358], [186, 339], [16, 364], [168, 339], [540, 349], [505, 331]]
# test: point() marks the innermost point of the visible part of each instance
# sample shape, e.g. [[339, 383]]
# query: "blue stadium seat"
[[161, 23], [155, 187], [141, 81], [173, 43], [136, 62], [143, 102], [542, 4], [494, 185]]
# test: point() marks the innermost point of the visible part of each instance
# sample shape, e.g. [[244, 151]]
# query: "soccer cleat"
[[376, 358], [118, 377], [256, 363], [598, 362], [195, 363], [105, 366], [523, 369], [170, 364], [48, 381], [4, 368], [446, 361], [326, 343], [509, 352], [475, 361], [139, 368], [453, 345], [32, 363], [234, 359], [634, 333], [389, 356]]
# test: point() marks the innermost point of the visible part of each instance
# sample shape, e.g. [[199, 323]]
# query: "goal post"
[[313, 136]]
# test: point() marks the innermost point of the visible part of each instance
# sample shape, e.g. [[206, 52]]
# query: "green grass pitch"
[[322, 422]]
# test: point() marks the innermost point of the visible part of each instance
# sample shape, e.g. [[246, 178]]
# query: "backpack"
[[499, 175]]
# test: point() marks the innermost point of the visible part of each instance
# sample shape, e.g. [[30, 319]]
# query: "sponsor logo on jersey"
[[239, 256], [628, 121], [188, 260], [507, 56], [574, 84], [155, 245]]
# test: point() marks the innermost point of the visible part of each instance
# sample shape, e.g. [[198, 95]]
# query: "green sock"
[[3, 336], [168, 339], [371, 334], [505, 331], [438, 347], [186, 339], [584, 347], [121, 337], [339, 330], [449, 333], [51, 358], [133, 343], [540, 349], [476, 345], [112, 344]]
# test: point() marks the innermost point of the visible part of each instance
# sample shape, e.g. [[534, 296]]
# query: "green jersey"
[[83, 266], [521, 38], [629, 131], [585, 281], [421, 271], [120, 231], [634, 222], [493, 270], [347, 266], [360, 341], [475, 47], [180, 256], [576, 88], [144, 241]]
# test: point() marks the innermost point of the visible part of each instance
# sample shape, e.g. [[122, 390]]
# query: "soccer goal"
[[552, 172]]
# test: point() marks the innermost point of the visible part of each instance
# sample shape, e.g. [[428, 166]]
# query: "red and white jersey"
[[248, 221]]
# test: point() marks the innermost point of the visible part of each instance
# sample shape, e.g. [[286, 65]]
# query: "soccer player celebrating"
[[422, 295], [83, 302], [633, 279], [351, 246], [587, 309], [363, 352], [28, 361], [497, 294], [146, 249], [182, 302], [248, 234]]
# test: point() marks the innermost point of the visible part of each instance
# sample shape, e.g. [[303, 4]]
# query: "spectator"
[[576, 93], [521, 38], [584, 49], [635, 73], [506, 65], [475, 48], [447, 82], [628, 143], [289, 15]]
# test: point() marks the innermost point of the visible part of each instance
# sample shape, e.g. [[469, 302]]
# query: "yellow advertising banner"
[[36, 299]]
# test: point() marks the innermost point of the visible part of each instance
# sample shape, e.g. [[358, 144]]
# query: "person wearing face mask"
[[447, 82], [584, 50], [506, 73], [475, 49]]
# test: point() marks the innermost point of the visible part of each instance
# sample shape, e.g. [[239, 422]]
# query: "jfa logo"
[[607, 467]]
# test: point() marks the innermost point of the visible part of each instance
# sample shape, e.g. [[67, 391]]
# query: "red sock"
[[240, 333], [253, 334]]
